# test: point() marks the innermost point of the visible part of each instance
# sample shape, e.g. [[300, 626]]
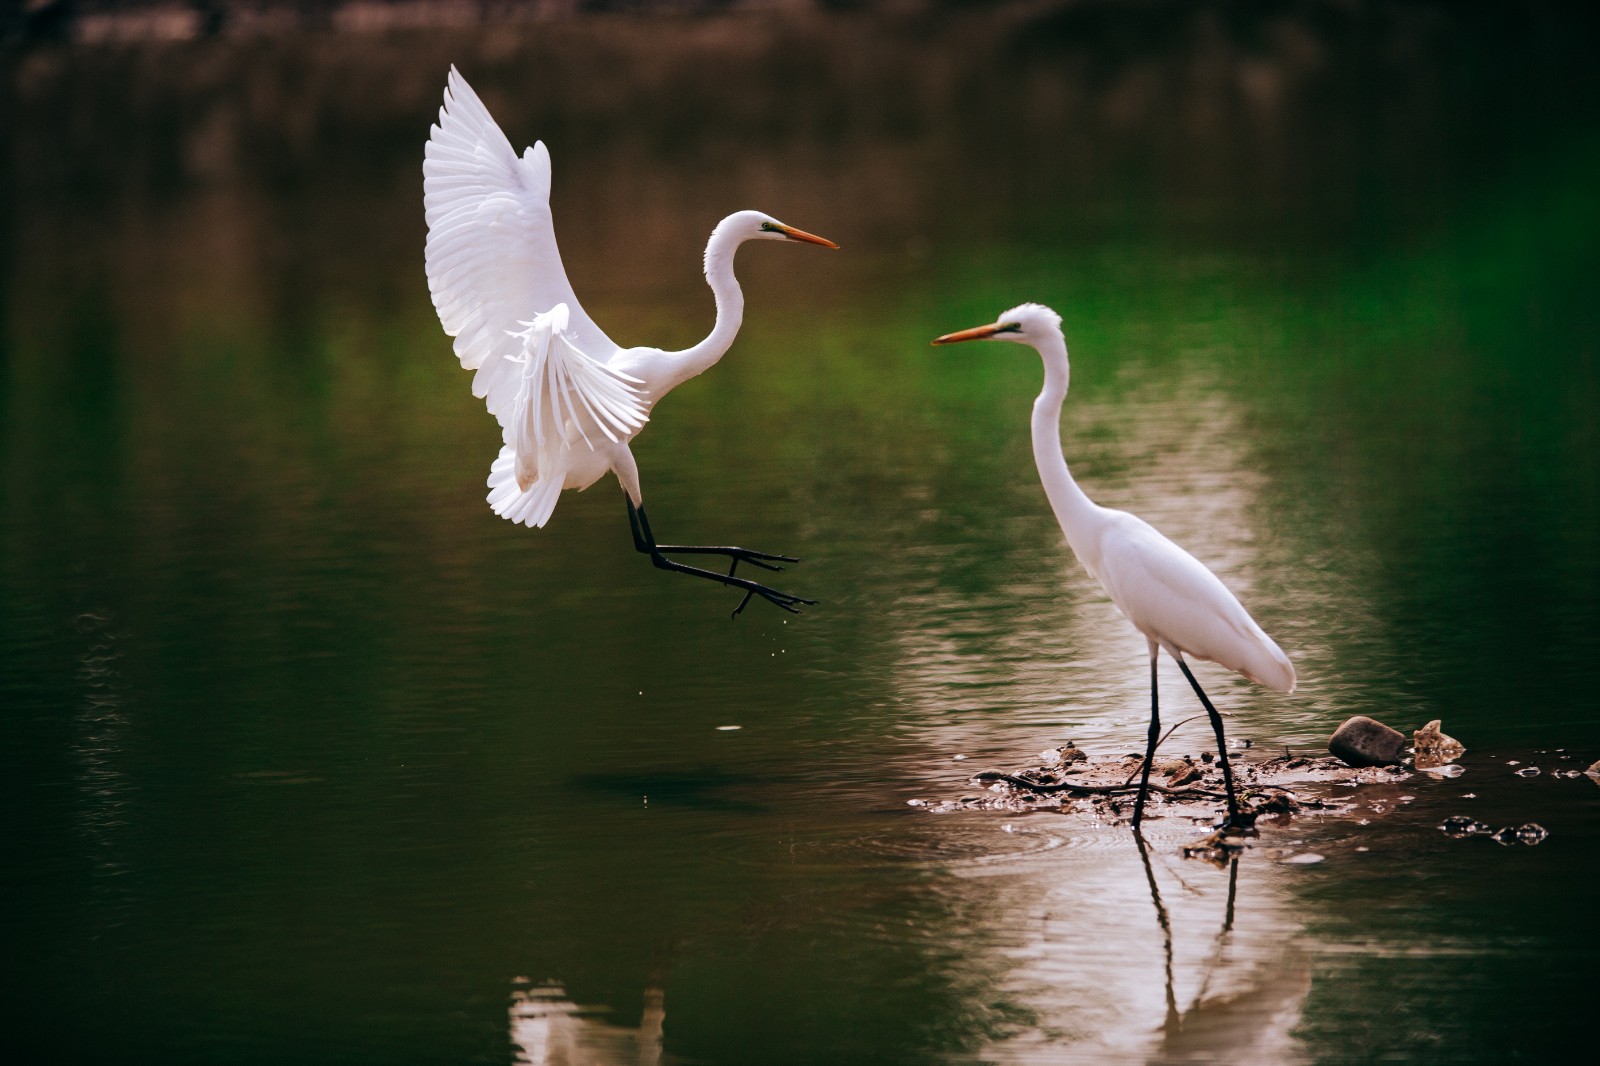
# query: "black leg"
[[1150, 745], [644, 541], [1222, 744]]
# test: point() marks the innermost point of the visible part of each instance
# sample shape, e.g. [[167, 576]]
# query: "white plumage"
[[1168, 594], [568, 398]]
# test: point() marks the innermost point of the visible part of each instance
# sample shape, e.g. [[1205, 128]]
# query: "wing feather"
[[1170, 595], [552, 400], [492, 260]]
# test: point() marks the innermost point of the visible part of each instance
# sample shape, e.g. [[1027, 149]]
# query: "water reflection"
[[548, 1029], [100, 749], [1251, 1022], [1121, 952]]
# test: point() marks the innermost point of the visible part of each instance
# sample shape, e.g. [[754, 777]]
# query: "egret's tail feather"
[[1269, 666], [531, 506]]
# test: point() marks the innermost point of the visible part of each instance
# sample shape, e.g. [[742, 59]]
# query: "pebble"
[[1363, 741]]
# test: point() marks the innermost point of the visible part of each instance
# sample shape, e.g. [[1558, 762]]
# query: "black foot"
[[781, 599], [644, 541], [765, 560]]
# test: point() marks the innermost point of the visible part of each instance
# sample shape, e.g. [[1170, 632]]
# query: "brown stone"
[[1364, 741]]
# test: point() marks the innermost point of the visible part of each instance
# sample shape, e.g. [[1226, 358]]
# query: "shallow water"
[[313, 759]]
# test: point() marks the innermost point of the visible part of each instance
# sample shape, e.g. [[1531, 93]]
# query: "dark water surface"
[[310, 758]]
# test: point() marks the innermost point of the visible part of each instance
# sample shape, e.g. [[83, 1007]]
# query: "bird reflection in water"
[[1251, 1023], [549, 1029]]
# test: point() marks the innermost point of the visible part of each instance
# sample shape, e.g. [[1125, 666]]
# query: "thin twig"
[[1171, 730]]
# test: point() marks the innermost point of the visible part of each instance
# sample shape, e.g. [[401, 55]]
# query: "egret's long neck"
[[1077, 514], [730, 308]]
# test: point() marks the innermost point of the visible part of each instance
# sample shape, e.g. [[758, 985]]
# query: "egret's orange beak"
[[976, 333], [801, 235]]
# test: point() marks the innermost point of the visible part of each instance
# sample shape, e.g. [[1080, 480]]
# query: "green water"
[[310, 758]]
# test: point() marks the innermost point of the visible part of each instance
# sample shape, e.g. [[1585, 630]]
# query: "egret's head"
[[756, 226], [1027, 323]]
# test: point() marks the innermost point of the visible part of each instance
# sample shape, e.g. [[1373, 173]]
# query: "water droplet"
[[728, 728], [1505, 836], [1513, 762], [1305, 858], [1528, 771], [1008, 828], [957, 758], [1363, 848], [1469, 795], [1239, 742], [916, 803], [1460, 825]]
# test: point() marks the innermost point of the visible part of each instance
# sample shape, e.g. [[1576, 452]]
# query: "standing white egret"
[[567, 397], [1166, 593]]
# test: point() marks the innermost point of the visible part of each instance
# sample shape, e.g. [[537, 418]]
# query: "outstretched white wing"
[[492, 258]]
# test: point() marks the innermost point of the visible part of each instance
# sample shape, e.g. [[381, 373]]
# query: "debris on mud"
[[1188, 785], [1067, 780], [1433, 750]]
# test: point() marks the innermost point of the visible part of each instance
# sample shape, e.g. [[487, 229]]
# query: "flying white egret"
[[1166, 593], [568, 398]]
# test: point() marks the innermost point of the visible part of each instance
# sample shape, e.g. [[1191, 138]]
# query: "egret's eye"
[[768, 227], [1010, 327]]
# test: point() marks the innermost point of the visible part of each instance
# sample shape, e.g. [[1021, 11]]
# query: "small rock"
[[1433, 748], [1184, 775], [1362, 741], [1065, 755]]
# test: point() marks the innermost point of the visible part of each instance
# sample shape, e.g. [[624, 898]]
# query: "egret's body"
[[1168, 594], [568, 398]]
